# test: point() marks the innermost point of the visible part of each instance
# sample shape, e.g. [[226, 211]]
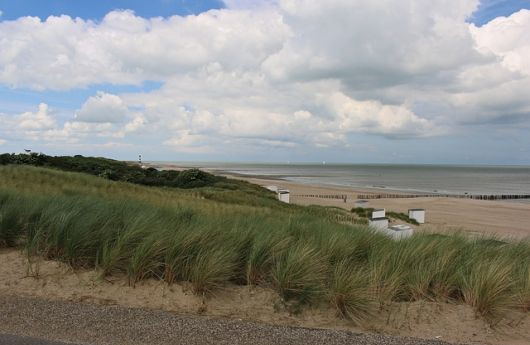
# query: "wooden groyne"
[[324, 196], [459, 196], [344, 197]]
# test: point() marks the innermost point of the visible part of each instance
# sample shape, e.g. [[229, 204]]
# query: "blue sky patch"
[[97, 9], [491, 9]]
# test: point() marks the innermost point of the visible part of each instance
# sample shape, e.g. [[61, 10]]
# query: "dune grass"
[[350, 292], [249, 238], [299, 273]]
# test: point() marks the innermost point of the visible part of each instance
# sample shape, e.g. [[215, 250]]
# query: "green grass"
[[523, 283], [350, 292], [214, 236], [489, 289], [299, 273]]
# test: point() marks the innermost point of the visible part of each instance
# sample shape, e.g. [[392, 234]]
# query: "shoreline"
[[273, 179], [503, 218], [443, 214], [374, 189]]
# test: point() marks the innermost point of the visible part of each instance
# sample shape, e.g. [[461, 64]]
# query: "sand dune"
[[51, 280]]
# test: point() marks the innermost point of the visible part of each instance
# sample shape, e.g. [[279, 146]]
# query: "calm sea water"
[[450, 179]]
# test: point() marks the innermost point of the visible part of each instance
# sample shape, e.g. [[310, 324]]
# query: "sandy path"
[[58, 282], [104, 325], [503, 218]]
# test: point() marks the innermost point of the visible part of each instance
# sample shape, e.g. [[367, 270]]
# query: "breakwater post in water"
[[459, 196]]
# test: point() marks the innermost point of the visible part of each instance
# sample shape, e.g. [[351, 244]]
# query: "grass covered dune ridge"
[[120, 171], [213, 236]]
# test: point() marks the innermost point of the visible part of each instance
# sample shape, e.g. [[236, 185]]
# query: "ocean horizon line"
[[340, 163]]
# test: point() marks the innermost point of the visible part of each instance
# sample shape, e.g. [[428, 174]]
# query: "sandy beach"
[[510, 219], [502, 218]]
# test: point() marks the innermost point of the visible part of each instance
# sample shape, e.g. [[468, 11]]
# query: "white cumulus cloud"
[[63, 53], [39, 120], [282, 74], [103, 107]]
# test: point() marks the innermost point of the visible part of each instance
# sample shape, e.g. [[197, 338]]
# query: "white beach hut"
[[283, 195], [378, 220], [378, 213], [417, 214]]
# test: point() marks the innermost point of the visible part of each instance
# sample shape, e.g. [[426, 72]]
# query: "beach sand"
[[501, 218], [55, 281], [507, 219]]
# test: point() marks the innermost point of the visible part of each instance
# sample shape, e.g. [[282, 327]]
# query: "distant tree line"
[[121, 171]]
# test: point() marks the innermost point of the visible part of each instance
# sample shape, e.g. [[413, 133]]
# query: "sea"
[[442, 179]]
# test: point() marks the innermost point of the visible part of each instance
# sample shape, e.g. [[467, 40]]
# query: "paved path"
[[106, 325]]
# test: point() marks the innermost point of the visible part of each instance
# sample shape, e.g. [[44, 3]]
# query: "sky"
[[345, 81]]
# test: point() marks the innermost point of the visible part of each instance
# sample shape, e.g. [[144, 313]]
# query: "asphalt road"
[[115, 325]]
